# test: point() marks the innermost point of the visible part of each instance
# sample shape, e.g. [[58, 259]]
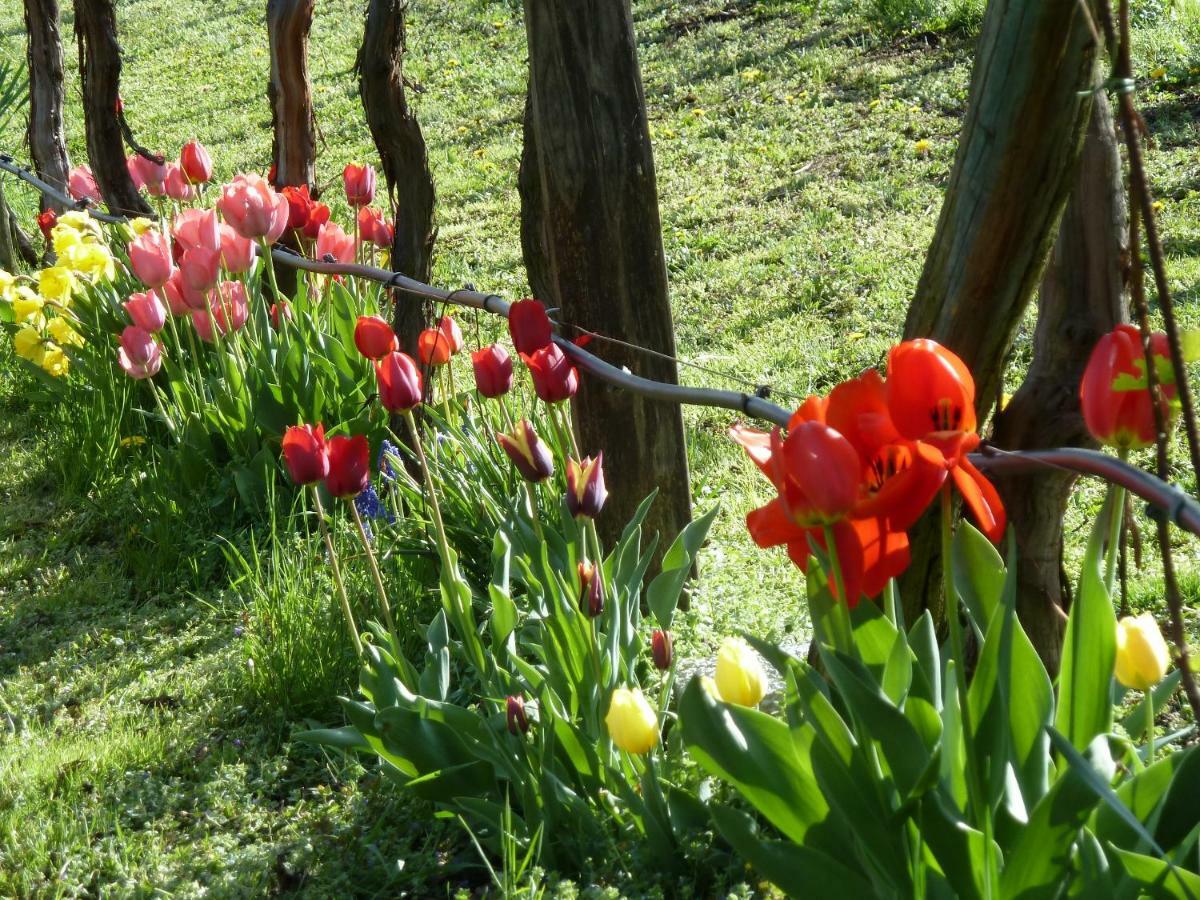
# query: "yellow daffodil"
[[27, 306], [62, 331], [8, 283], [1142, 655], [56, 284], [93, 261], [141, 225], [81, 221], [54, 361], [740, 676], [632, 722], [27, 343], [64, 238]]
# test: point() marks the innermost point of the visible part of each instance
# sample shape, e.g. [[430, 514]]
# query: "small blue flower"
[[387, 450], [369, 506], [238, 631]]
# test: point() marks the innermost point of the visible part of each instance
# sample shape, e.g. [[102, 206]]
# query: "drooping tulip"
[[1142, 655], [1115, 393], [198, 228], [147, 311], [253, 208], [195, 163], [374, 337], [237, 252], [493, 370], [433, 347], [399, 382], [175, 184], [359, 182], [529, 326], [554, 377], [740, 676], [150, 257], [82, 184], [349, 465], [586, 492], [334, 245], [139, 354], [631, 721], [305, 454], [200, 267], [532, 458]]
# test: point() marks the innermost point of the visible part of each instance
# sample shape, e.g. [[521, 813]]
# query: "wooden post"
[[593, 243], [1018, 155], [403, 158], [294, 150], [47, 137], [1082, 297], [100, 74]]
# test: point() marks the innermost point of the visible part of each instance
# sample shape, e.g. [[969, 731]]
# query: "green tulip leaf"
[[979, 573], [1157, 877], [663, 594]]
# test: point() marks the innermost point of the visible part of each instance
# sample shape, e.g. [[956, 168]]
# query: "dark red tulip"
[[529, 326], [591, 590], [349, 465], [518, 722], [399, 382], [531, 457], [661, 649], [374, 337], [304, 452], [554, 378], [493, 370], [585, 486]]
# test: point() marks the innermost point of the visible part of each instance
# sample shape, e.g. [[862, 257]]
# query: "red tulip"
[[433, 347], [591, 590], [399, 382], [46, 221], [237, 252], [139, 354], [529, 326], [661, 649], [334, 245], [253, 208], [453, 334], [150, 257], [586, 492], [493, 370], [200, 267], [175, 184], [281, 308], [195, 163], [359, 181], [374, 228], [527, 452], [1115, 393], [374, 337], [349, 465], [305, 453], [518, 722], [317, 217], [147, 311], [198, 228], [82, 184], [554, 378], [300, 205]]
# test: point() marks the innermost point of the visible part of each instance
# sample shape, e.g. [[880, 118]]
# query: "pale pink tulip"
[[139, 354], [200, 268], [150, 257], [253, 208], [176, 294], [147, 174], [147, 311], [229, 311], [198, 228], [334, 242], [82, 183], [176, 185], [237, 252]]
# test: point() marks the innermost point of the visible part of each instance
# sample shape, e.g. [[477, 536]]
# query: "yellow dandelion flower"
[[698, 113], [133, 440], [1157, 206], [922, 147], [751, 75], [1158, 72], [54, 362], [453, 64]]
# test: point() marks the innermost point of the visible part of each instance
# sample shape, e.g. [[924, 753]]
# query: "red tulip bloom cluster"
[[1115, 392], [305, 214], [342, 462], [866, 461]]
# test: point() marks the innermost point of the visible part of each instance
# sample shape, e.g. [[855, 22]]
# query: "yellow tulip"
[[54, 361], [27, 342], [1142, 655], [631, 720], [740, 676], [60, 329], [56, 284]]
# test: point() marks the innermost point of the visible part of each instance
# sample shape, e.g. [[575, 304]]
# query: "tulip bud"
[[139, 354], [740, 676], [453, 334], [631, 721], [1114, 394], [349, 465], [305, 454], [399, 382], [554, 378], [147, 311], [359, 181], [1142, 655], [591, 590], [531, 457], [433, 347], [661, 649], [529, 326], [585, 486], [277, 309], [493, 370], [195, 162], [374, 337], [150, 257], [46, 221], [518, 723]]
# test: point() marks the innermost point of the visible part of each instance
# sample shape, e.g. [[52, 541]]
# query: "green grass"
[[795, 204]]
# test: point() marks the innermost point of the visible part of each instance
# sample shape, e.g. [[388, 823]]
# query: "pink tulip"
[[175, 185], [359, 181], [237, 252], [139, 354], [176, 293], [253, 208], [147, 311], [147, 174], [229, 311], [150, 257], [200, 268], [195, 163], [373, 227], [334, 242], [198, 228], [82, 183]]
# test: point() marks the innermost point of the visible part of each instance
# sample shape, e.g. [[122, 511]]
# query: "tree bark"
[[100, 74], [294, 150], [1018, 154], [1082, 297], [405, 163], [593, 243], [47, 94]]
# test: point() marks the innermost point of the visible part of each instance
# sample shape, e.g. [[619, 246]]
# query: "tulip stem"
[[269, 266], [162, 410], [443, 544], [374, 566], [1114, 530], [337, 572], [1149, 726]]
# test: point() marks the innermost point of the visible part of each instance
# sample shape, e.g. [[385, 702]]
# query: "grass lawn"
[[801, 156]]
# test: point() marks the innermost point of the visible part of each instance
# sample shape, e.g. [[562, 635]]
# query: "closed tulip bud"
[[147, 311], [230, 306], [399, 382], [631, 721], [374, 228], [150, 257], [334, 245], [433, 348], [139, 354], [585, 486], [740, 677], [237, 252], [198, 228], [200, 267], [518, 722], [531, 457], [349, 465], [661, 649], [359, 182], [175, 185], [591, 590], [554, 378], [146, 174], [82, 184], [282, 308], [529, 326], [46, 221], [177, 302], [374, 337], [195, 163], [1142, 655], [305, 453], [452, 333], [1115, 393], [493, 370]]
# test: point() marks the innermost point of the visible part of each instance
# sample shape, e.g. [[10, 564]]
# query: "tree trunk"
[[100, 74], [601, 263], [47, 137], [294, 150], [1082, 297], [1018, 154], [401, 146]]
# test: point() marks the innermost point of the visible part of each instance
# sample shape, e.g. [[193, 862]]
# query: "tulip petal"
[[771, 525], [981, 498]]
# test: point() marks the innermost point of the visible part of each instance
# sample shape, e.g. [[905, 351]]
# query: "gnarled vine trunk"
[[294, 150], [47, 92]]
